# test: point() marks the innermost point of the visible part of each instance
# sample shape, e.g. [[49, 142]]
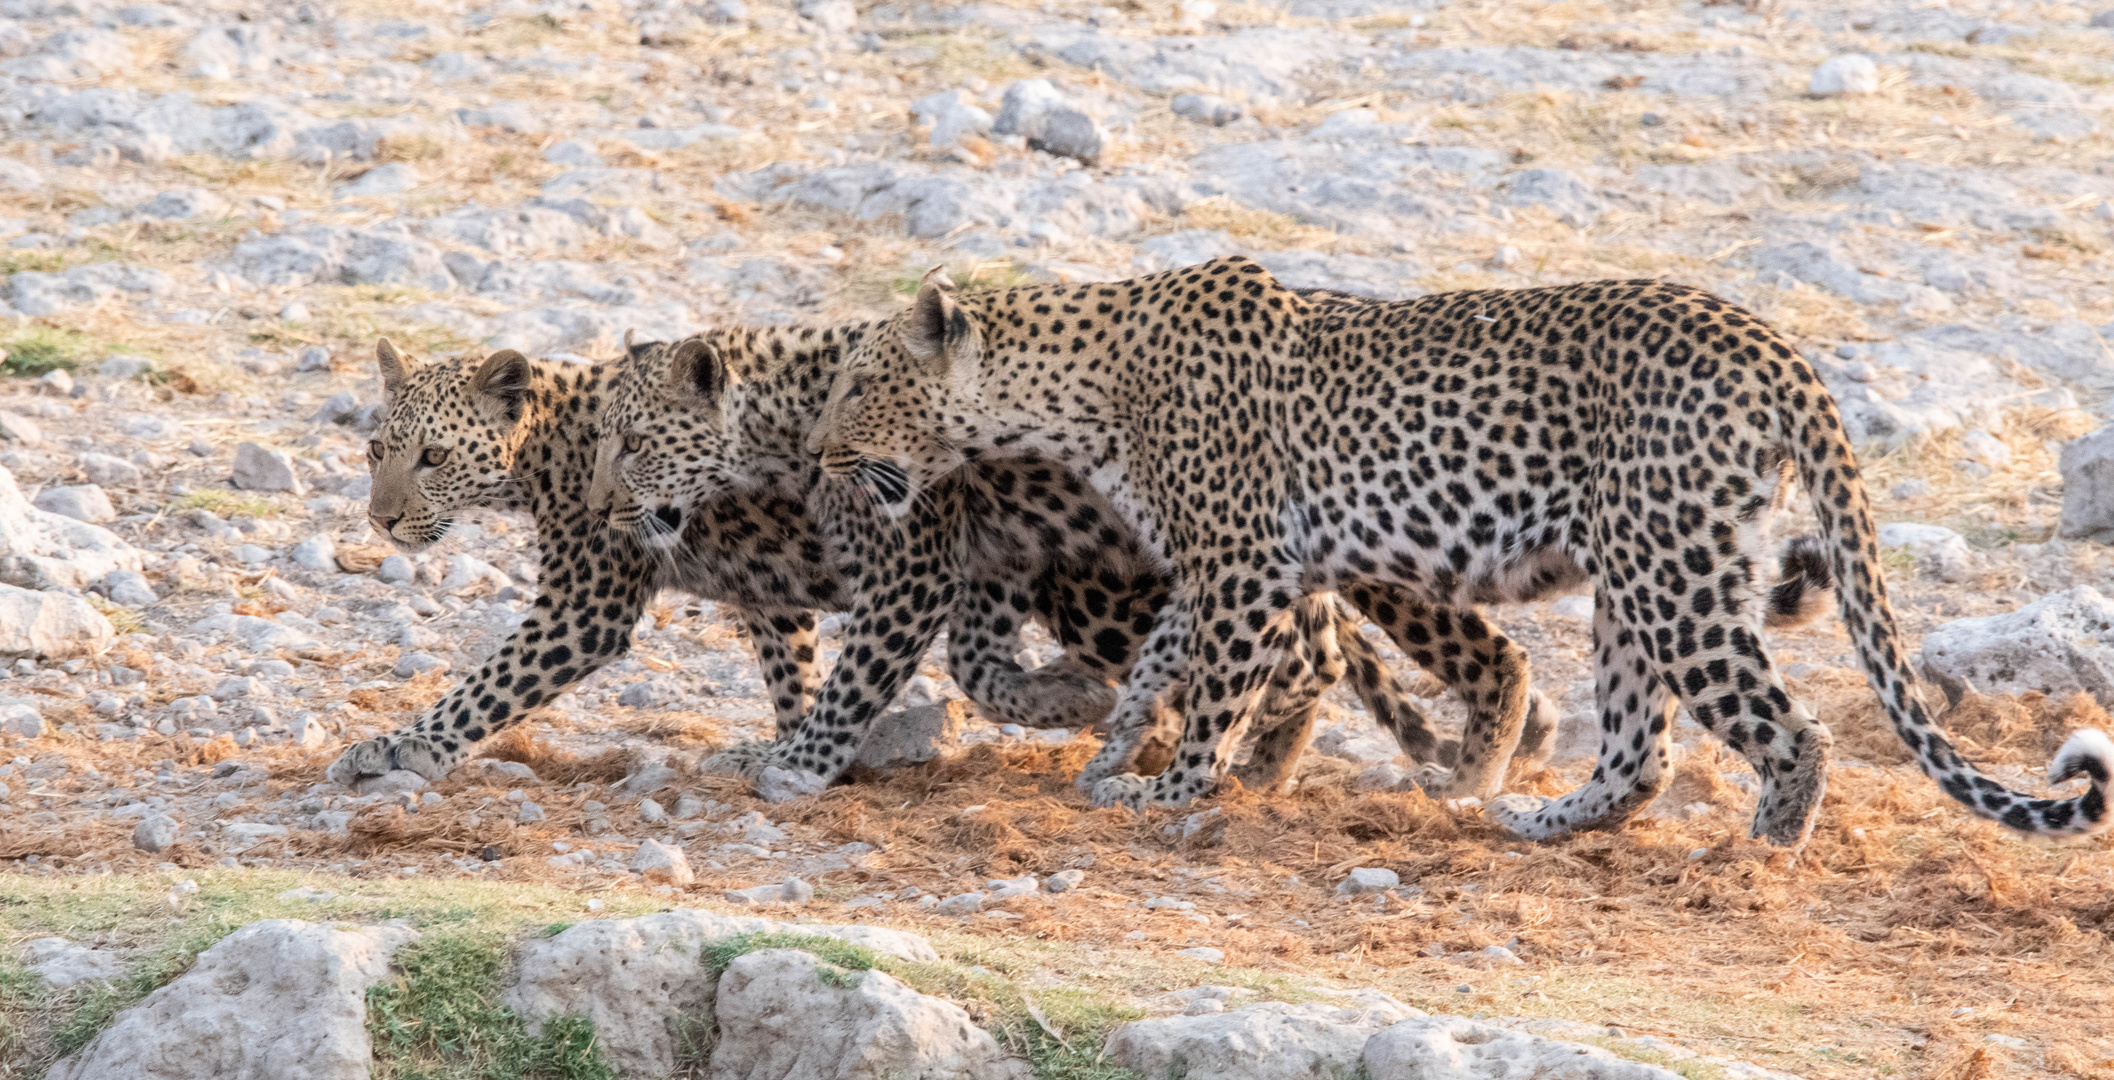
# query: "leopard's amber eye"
[[433, 456], [632, 443], [374, 449]]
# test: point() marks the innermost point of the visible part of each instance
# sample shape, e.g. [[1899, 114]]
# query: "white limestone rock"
[[662, 864], [281, 999], [81, 502], [50, 625], [635, 977], [1457, 1048], [1272, 1040], [1844, 76], [2088, 487], [2058, 645], [779, 1020], [915, 735], [59, 962], [258, 468], [1939, 551], [40, 549]]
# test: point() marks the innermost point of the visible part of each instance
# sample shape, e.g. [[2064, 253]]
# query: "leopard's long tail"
[[1813, 435]]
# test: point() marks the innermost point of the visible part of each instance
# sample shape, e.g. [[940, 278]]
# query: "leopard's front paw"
[[1432, 780], [366, 761], [372, 757], [779, 784], [1128, 789], [1114, 757], [1524, 816], [747, 760]]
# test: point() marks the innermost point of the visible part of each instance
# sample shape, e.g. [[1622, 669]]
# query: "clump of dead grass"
[[1266, 228], [559, 766], [389, 828]]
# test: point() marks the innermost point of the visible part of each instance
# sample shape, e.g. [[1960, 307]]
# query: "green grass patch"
[[34, 350], [721, 954], [998, 274], [441, 1018], [227, 503], [37, 262]]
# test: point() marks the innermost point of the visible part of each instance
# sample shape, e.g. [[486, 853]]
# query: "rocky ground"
[[212, 210]]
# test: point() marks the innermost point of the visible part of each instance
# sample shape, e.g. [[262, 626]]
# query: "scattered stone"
[[20, 428], [104, 470], [1063, 881], [61, 963], [84, 502], [1202, 953], [128, 587], [50, 625], [1457, 1048], [529, 813], [1271, 1040], [393, 782], [662, 864], [952, 119], [468, 576], [43, 550], [835, 16], [260, 469], [280, 997], [786, 1014], [319, 553], [789, 891], [1386, 776], [417, 663], [2088, 487], [1498, 954], [648, 777], [651, 812], [1207, 109], [121, 367], [968, 903], [18, 718], [636, 977], [394, 178], [915, 735], [2058, 645], [1981, 448], [1844, 75], [638, 695], [1368, 879], [309, 732], [396, 570], [1939, 551]]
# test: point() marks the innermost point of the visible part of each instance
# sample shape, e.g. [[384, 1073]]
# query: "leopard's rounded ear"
[[939, 335], [500, 386], [697, 373], [396, 367]]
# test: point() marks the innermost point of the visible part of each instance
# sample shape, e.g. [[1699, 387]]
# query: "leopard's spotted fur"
[[515, 433], [728, 412], [1630, 437]]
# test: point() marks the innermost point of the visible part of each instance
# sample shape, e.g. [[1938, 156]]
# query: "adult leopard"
[[726, 412], [514, 433], [1465, 447]]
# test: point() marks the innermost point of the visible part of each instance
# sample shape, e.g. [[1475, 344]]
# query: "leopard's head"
[[905, 400], [664, 442], [446, 443]]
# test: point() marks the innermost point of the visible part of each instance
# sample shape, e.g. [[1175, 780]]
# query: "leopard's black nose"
[[671, 517]]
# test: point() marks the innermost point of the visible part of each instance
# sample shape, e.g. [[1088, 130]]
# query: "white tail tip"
[[2082, 746]]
